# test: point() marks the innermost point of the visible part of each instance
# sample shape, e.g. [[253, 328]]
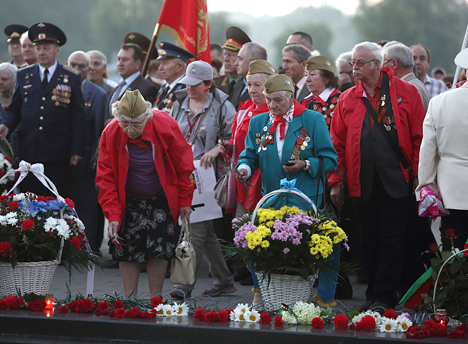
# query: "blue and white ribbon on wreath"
[[290, 186]]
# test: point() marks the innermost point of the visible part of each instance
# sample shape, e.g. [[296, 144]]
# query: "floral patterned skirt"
[[147, 231]]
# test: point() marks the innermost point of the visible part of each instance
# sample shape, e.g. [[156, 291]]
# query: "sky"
[[275, 8]]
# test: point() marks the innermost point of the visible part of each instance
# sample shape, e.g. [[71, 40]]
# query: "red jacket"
[[172, 157], [239, 133], [347, 123]]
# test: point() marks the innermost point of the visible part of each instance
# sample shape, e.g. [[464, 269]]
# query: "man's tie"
[[161, 96], [45, 81], [116, 94], [296, 94]]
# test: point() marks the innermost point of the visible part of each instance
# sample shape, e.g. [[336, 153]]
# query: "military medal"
[[257, 141], [383, 98], [307, 139], [332, 106], [65, 79], [300, 144], [249, 114], [388, 127], [265, 128]]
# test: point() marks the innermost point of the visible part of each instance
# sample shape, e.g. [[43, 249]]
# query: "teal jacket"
[[320, 144]]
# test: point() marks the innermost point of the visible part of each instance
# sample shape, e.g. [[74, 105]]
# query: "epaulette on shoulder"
[[70, 69], [26, 67]]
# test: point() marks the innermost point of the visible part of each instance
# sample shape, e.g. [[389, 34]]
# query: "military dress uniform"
[[51, 118]]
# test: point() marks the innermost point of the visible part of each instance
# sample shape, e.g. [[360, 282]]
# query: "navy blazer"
[[52, 119]]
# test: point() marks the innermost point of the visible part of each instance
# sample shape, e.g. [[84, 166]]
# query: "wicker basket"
[[284, 289], [27, 277]]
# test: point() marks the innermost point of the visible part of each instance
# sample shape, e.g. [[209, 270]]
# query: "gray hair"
[[373, 48], [344, 57], [282, 94], [11, 68], [82, 53], [119, 115], [264, 76], [99, 55], [389, 44], [255, 51], [401, 53], [300, 53], [23, 37]]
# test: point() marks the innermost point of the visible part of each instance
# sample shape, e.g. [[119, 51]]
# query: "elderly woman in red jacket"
[[143, 173]]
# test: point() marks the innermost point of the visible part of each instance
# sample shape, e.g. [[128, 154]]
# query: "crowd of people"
[[373, 120]]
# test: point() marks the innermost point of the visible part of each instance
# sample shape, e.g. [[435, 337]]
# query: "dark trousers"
[[458, 221], [383, 220]]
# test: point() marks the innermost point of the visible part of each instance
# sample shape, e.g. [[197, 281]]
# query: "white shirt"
[[300, 85], [51, 71]]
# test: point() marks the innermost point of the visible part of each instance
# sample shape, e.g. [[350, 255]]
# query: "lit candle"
[[49, 300], [441, 316], [49, 313]]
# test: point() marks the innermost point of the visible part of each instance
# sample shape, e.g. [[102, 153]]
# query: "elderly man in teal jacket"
[[287, 142]]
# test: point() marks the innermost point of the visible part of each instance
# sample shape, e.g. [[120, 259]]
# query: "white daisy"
[[252, 316], [180, 310], [168, 311], [242, 307], [159, 309], [388, 325], [233, 316], [403, 323]]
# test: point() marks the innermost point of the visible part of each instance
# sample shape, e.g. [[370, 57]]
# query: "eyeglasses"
[[359, 63], [135, 126], [385, 62]]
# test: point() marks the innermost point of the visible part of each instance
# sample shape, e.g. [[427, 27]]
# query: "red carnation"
[[13, 205], [5, 247], [133, 313], [340, 321], [3, 305], [415, 332], [224, 155], [457, 334], [118, 304], [450, 233], [211, 316], [105, 312], [433, 247], [221, 167], [75, 306], [36, 305], [462, 327], [119, 313], [279, 321], [156, 301], [223, 316], [76, 242], [317, 323], [147, 315], [98, 311], [368, 322], [13, 301], [351, 327], [200, 314], [390, 313], [87, 306], [70, 203], [265, 318], [27, 224], [103, 305], [63, 309]]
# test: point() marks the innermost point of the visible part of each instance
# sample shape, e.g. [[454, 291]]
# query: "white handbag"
[[184, 265]]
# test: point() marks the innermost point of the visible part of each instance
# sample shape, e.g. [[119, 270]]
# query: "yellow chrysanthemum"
[[265, 244], [313, 251]]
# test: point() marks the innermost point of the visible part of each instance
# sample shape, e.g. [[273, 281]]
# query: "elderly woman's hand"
[[112, 229], [185, 213], [294, 166], [241, 175], [208, 159], [335, 195], [225, 146]]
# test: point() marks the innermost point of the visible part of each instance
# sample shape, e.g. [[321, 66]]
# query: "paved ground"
[[107, 281]]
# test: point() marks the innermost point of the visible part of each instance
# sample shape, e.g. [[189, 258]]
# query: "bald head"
[[80, 61]]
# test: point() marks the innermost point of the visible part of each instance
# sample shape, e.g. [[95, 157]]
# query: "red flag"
[[187, 21]]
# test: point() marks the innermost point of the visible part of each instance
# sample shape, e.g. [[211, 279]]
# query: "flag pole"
[[458, 70], [150, 50]]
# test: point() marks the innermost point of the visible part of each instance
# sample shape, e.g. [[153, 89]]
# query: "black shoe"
[[240, 274], [247, 281]]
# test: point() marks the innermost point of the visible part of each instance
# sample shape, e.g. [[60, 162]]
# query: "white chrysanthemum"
[[19, 197], [388, 325], [63, 228], [242, 307], [305, 312], [180, 310], [252, 316], [358, 318], [288, 318], [78, 222], [168, 311], [11, 218], [159, 309], [50, 224], [403, 323], [3, 220]]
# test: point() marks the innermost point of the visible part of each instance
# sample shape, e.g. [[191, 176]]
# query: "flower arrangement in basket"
[[32, 229], [286, 241], [6, 165]]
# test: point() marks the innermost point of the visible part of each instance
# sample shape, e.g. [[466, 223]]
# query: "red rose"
[[76, 242], [13, 205], [27, 224], [156, 301], [211, 316], [118, 304], [340, 321], [279, 321], [317, 323], [450, 233], [223, 316], [36, 305], [351, 327], [390, 313], [70, 203], [433, 247], [200, 314], [3, 305], [265, 318], [103, 305], [63, 309]]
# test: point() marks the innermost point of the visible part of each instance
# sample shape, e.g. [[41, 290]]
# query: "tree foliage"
[[438, 25]]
